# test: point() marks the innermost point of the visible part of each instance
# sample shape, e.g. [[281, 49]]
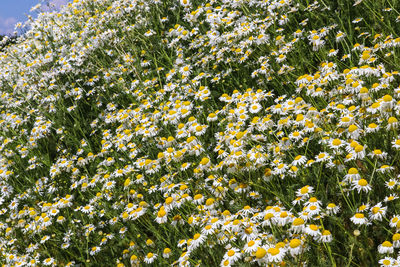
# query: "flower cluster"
[[202, 133]]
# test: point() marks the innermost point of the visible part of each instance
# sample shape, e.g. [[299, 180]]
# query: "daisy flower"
[[385, 169], [326, 236], [391, 197], [167, 253], [359, 219], [252, 246], [298, 225], [340, 36], [255, 108], [232, 255], [396, 144], [322, 157], [260, 253], [377, 212], [197, 240], [361, 185], [299, 160], [387, 103], [276, 254], [359, 152], [161, 216], [352, 175], [385, 247], [48, 261], [377, 153], [150, 257], [225, 263], [386, 261], [396, 240], [316, 42], [357, 20], [372, 128], [332, 53], [94, 250], [392, 123], [312, 230], [295, 247], [305, 191], [336, 144]]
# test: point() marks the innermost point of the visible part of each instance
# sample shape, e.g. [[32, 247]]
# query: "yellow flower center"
[[362, 182], [359, 148], [387, 244], [294, 243], [273, 251], [251, 243], [298, 221], [210, 201], [304, 190], [161, 213], [336, 142], [169, 200], [352, 128], [387, 98], [326, 232], [396, 237], [375, 210], [260, 253], [204, 161], [353, 171]]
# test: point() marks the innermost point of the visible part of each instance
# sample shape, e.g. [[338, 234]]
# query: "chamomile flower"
[[372, 128], [255, 108], [361, 185], [385, 168], [161, 216], [352, 175], [377, 212], [299, 160], [392, 123], [198, 239], [276, 253], [298, 225], [390, 197], [326, 236], [386, 261], [385, 247], [396, 144], [48, 261], [252, 246], [312, 230], [260, 254], [94, 250], [233, 255], [336, 144], [295, 247], [150, 257], [359, 219], [377, 153], [322, 157], [305, 191]]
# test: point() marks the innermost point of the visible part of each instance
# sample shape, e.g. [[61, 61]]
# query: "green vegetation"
[[196, 133]]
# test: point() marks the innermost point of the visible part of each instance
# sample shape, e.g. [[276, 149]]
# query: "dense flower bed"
[[202, 133]]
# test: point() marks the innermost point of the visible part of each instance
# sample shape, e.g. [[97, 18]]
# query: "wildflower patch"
[[202, 133]]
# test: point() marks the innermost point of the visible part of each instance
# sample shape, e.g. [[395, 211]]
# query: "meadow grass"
[[202, 133]]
